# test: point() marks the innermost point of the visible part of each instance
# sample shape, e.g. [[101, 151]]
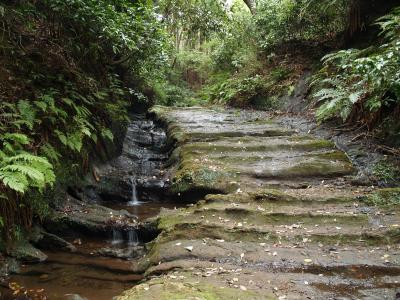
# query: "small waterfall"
[[122, 239], [134, 197], [117, 237], [133, 239]]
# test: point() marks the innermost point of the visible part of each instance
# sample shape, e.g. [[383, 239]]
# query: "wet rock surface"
[[283, 218], [125, 253], [25, 252], [93, 233], [140, 164], [87, 218]]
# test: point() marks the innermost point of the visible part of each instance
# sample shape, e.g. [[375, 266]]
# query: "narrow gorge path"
[[279, 217]]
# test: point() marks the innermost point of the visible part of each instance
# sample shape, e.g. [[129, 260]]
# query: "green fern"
[[107, 134], [27, 113], [365, 78], [23, 171], [50, 152]]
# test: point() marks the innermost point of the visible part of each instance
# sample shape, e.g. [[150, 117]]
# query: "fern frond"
[[27, 113], [14, 181], [50, 152], [107, 134], [26, 157], [16, 138], [26, 170]]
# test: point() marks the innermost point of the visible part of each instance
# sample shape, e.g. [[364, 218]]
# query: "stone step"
[[270, 257], [352, 282], [313, 237]]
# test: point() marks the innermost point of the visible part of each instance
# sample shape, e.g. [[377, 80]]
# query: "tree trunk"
[[354, 19], [251, 4], [363, 13]]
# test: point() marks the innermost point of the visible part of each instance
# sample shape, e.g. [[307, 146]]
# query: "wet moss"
[[277, 196], [254, 145], [234, 198], [196, 176], [316, 168], [271, 195], [198, 231], [383, 197], [190, 288], [263, 218], [333, 155], [167, 223]]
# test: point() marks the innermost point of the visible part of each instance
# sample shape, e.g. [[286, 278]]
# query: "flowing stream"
[[101, 268]]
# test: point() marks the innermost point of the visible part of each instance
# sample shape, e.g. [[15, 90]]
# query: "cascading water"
[[137, 169], [133, 239], [134, 197], [117, 237]]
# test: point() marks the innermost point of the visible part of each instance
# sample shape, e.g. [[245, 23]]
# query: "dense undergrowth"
[[363, 85], [250, 60], [69, 70]]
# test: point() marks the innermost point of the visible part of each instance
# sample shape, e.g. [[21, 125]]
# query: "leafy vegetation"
[[288, 21], [386, 171], [359, 84], [384, 198], [69, 70], [236, 58]]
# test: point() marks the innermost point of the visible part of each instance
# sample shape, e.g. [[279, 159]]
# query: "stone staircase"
[[280, 219]]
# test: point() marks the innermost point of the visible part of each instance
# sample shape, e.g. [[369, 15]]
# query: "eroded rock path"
[[280, 219]]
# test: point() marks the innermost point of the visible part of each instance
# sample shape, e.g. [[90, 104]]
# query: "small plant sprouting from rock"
[[386, 172]]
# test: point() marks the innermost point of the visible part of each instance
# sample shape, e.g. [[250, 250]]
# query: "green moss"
[[256, 147], [387, 171], [167, 223], [311, 169], [235, 198], [334, 155], [197, 175], [383, 197], [271, 195], [24, 251], [190, 288], [159, 111], [215, 136], [258, 218], [190, 231]]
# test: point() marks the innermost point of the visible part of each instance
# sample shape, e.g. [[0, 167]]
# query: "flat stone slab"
[[224, 151]]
